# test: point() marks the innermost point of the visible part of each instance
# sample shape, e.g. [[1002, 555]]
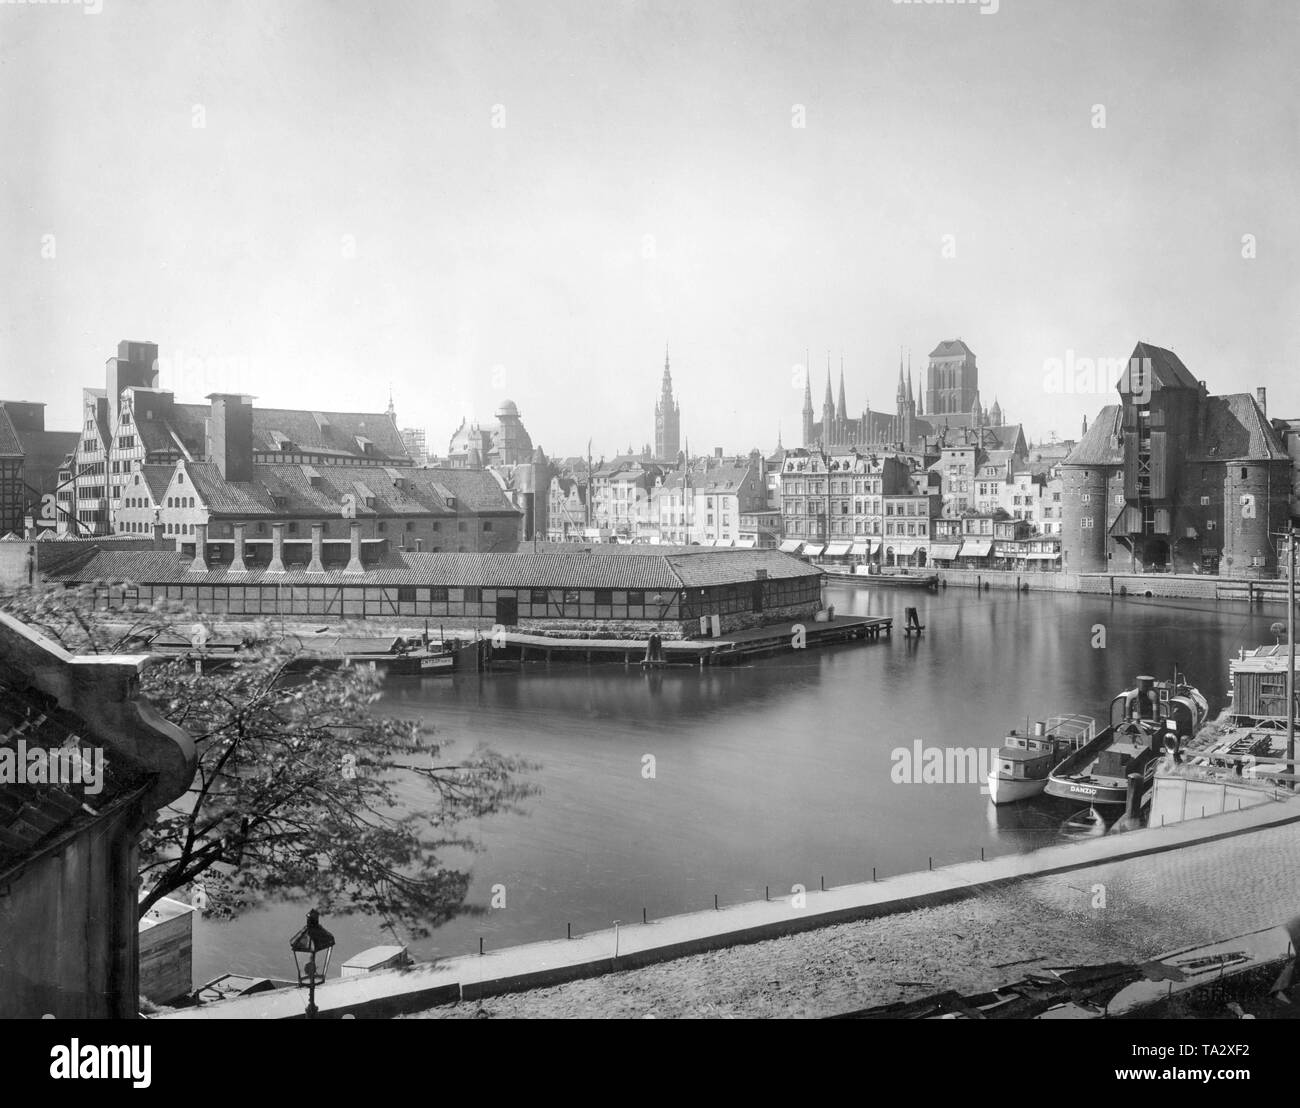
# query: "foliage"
[[303, 790]]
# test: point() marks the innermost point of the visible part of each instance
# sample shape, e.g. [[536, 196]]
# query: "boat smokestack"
[[1040, 728]]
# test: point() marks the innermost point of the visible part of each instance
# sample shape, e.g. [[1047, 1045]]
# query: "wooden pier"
[[519, 647]]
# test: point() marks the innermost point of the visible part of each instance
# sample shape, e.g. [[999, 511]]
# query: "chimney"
[[230, 435], [200, 563], [316, 565], [354, 562], [1261, 398], [237, 562], [277, 549], [159, 539]]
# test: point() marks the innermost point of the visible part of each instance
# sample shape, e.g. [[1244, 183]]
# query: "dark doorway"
[[507, 610]]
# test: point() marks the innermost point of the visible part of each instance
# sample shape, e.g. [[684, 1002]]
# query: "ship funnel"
[[1145, 684], [1040, 728]]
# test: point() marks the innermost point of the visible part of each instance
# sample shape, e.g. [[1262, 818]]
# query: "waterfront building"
[[1174, 479], [620, 496], [566, 509], [1027, 496], [762, 529], [839, 499], [133, 421], [31, 459], [599, 591], [908, 528], [405, 507], [704, 504]]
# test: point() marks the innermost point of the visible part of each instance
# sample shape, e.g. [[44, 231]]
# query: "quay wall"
[[465, 977], [1123, 584]]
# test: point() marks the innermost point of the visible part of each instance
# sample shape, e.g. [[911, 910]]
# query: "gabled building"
[[566, 509], [30, 462], [1174, 479], [133, 421]]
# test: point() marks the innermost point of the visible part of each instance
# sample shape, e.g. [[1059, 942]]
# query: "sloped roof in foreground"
[[698, 568]]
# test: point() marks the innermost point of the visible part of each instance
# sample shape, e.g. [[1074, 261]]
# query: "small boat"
[[1024, 761], [896, 578], [1146, 722]]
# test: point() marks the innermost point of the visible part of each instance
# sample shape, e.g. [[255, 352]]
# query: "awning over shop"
[[747, 544], [1043, 555], [944, 549], [976, 548], [902, 549], [789, 546], [837, 549], [812, 549], [861, 549]]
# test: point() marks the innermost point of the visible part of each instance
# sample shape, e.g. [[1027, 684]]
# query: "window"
[[605, 596], [537, 596], [382, 526], [406, 595], [1086, 498], [1204, 501], [487, 525], [635, 597], [462, 526], [293, 527], [473, 595], [410, 526], [572, 596]]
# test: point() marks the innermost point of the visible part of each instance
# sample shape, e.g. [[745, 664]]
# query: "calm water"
[[769, 774]]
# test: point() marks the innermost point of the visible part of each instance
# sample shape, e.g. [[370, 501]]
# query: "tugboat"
[[1024, 761], [1145, 722]]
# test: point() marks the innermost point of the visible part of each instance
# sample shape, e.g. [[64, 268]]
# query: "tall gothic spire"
[[841, 410]]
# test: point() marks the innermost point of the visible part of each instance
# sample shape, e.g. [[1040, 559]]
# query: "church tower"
[[828, 410], [668, 418], [807, 407], [841, 412]]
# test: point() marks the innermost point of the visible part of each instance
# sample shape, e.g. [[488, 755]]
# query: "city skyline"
[[527, 204]]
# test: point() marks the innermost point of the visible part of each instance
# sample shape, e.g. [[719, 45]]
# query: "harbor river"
[[661, 789]]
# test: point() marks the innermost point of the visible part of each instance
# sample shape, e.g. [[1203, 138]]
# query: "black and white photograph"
[[651, 509]]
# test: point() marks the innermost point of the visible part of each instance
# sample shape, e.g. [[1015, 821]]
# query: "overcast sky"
[[348, 215]]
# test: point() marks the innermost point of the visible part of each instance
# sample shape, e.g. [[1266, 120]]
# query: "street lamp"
[[312, 941]]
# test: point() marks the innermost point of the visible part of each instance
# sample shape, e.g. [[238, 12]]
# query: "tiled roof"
[[157, 477], [722, 479], [34, 815], [283, 490], [327, 432], [579, 569], [1100, 446], [950, 347], [10, 444], [1237, 430], [1166, 368]]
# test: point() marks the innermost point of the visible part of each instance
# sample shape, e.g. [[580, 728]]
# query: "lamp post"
[[312, 941]]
